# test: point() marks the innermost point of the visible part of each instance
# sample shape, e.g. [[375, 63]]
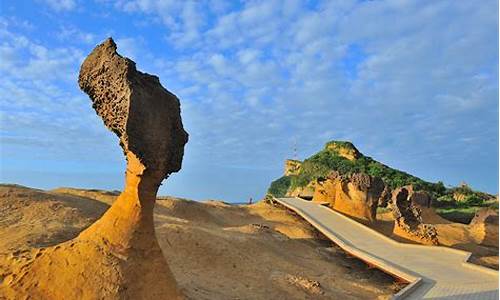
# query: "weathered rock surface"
[[356, 195], [485, 225], [385, 197], [118, 257], [134, 105], [292, 167], [419, 198], [408, 218], [344, 149]]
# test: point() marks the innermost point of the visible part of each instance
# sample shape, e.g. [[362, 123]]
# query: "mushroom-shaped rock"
[[118, 257], [356, 195], [134, 105]]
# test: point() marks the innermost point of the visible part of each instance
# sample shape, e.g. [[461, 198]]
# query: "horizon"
[[255, 80]]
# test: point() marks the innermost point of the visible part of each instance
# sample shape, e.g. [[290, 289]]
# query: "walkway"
[[433, 272]]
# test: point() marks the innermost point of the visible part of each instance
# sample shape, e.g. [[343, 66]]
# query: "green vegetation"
[[463, 211], [320, 164], [327, 160], [279, 187], [383, 209]]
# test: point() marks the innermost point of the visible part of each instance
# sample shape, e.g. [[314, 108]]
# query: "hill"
[[458, 204], [345, 158]]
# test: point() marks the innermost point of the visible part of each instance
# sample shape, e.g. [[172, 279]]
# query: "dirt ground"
[[215, 250]]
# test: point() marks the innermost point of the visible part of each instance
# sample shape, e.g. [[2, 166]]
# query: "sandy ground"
[[215, 250]]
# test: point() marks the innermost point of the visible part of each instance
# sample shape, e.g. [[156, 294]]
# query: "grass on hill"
[[327, 160], [463, 211]]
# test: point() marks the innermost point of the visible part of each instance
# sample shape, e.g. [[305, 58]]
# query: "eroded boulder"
[[408, 221], [356, 195], [118, 257]]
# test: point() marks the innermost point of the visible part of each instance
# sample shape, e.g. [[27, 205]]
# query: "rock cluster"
[[118, 257], [408, 221], [356, 195]]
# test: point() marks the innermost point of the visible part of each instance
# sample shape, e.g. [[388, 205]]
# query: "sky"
[[413, 84]]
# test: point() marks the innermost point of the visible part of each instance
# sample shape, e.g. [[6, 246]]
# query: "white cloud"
[[421, 85], [72, 34], [61, 5]]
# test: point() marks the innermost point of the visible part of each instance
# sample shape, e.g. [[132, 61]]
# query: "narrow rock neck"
[[129, 222]]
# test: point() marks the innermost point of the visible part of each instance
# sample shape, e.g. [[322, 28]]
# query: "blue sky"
[[414, 84]]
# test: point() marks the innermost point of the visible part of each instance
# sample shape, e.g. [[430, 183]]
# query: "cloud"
[[413, 84], [61, 5], [42, 110], [73, 34]]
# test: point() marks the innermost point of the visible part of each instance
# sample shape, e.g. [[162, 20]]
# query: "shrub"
[[280, 186]]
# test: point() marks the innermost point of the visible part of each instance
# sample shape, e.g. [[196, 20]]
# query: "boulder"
[[484, 227], [356, 195], [421, 198], [408, 219], [118, 257]]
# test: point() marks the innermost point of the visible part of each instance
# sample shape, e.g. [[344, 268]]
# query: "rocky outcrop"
[[306, 192], [485, 226], [356, 195], [118, 257], [385, 197], [420, 198], [344, 149], [408, 218], [292, 167]]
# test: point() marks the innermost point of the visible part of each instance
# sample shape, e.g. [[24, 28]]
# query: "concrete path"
[[434, 272]]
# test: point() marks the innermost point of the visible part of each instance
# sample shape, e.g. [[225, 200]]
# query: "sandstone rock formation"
[[385, 197], [485, 226], [420, 198], [118, 257], [292, 167], [408, 219], [356, 195], [344, 149]]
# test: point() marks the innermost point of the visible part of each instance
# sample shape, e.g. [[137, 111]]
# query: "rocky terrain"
[[393, 202], [214, 250], [74, 244]]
